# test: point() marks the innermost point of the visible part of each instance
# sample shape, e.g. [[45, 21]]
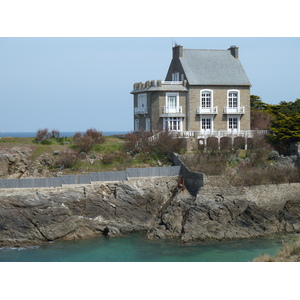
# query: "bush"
[[67, 159], [42, 135], [160, 148], [55, 134], [209, 163], [84, 142]]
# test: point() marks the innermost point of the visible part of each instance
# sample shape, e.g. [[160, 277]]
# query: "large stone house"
[[205, 92]]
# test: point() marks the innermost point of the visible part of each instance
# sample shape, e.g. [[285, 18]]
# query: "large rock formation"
[[157, 206], [33, 216]]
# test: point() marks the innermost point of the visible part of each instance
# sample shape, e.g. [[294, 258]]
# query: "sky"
[[72, 67], [72, 83]]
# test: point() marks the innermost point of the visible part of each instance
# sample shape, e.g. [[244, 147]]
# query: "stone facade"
[[220, 114]]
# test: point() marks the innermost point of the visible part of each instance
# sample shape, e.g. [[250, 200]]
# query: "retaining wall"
[[193, 181], [88, 178]]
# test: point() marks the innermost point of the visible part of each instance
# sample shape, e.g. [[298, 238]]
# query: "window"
[[173, 124], [233, 123], [147, 124], [233, 99], [142, 101], [206, 124], [136, 124], [206, 99], [175, 76], [172, 102]]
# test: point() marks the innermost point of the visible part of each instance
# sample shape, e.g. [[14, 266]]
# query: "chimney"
[[177, 51], [234, 50]]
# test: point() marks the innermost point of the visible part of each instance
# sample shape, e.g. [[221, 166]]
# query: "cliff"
[[155, 205]]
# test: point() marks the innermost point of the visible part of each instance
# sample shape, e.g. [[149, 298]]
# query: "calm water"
[[62, 134], [136, 248]]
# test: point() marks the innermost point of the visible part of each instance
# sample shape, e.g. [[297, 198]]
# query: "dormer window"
[[175, 76]]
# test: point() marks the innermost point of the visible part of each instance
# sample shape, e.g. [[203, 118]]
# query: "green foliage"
[[285, 129], [256, 103]]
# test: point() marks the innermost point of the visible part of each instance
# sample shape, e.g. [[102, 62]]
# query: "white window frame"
[[176, 109], [211, 99], [238, 123], [205, 130], [229, 99], [170, 125]]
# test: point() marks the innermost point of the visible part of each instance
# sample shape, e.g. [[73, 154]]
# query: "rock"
[[153, 205]]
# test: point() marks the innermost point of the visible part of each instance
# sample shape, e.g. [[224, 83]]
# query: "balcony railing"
[[234, 110], [217, 134], [207, 110], [140, 110], [169, 110]]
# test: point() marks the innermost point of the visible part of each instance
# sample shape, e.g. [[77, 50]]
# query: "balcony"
[[207, 110], [169, 110], [234, 110], [141, 110]]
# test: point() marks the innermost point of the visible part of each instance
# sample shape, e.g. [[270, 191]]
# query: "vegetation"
[[139, 146], [283, 120], [290, 252]]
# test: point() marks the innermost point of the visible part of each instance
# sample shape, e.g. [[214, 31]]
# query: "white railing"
[[218, 134], [207, 110], [234, 110], [141, 110], [169, 110], [171, 82]]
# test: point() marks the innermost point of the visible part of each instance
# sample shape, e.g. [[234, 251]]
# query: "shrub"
[[42, 135], [209, 163], [55, 134], [84, 142], [160, 148], [67, 159]]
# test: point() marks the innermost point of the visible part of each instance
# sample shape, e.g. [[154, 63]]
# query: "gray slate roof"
[[209, 67]]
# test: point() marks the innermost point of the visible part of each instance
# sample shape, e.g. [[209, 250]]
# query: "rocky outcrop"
[[34, 216], [158, 206], [221, 211]]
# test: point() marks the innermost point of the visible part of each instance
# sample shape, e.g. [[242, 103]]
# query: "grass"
[[108, 156], [290, 252]]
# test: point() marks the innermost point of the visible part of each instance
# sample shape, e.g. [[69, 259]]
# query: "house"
[[205, 93]]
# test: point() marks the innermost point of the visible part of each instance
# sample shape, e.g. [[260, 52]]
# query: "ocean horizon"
[[62, 133]]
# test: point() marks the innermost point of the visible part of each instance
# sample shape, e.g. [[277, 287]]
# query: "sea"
[[135, 247], [62, 134]]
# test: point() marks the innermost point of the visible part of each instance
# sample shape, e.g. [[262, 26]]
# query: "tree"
[[260, 119], [256, 103], [285, 131]]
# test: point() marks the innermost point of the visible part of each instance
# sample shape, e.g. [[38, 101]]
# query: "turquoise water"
[[136, 248]]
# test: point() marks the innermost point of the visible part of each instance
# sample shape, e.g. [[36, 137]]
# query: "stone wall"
[[269, 196], [219, 100]]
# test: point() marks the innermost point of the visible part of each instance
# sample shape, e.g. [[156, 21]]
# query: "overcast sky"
[[49, 77]]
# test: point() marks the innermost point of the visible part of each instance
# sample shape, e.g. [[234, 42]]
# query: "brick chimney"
[[177, 51], [234, 50]]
